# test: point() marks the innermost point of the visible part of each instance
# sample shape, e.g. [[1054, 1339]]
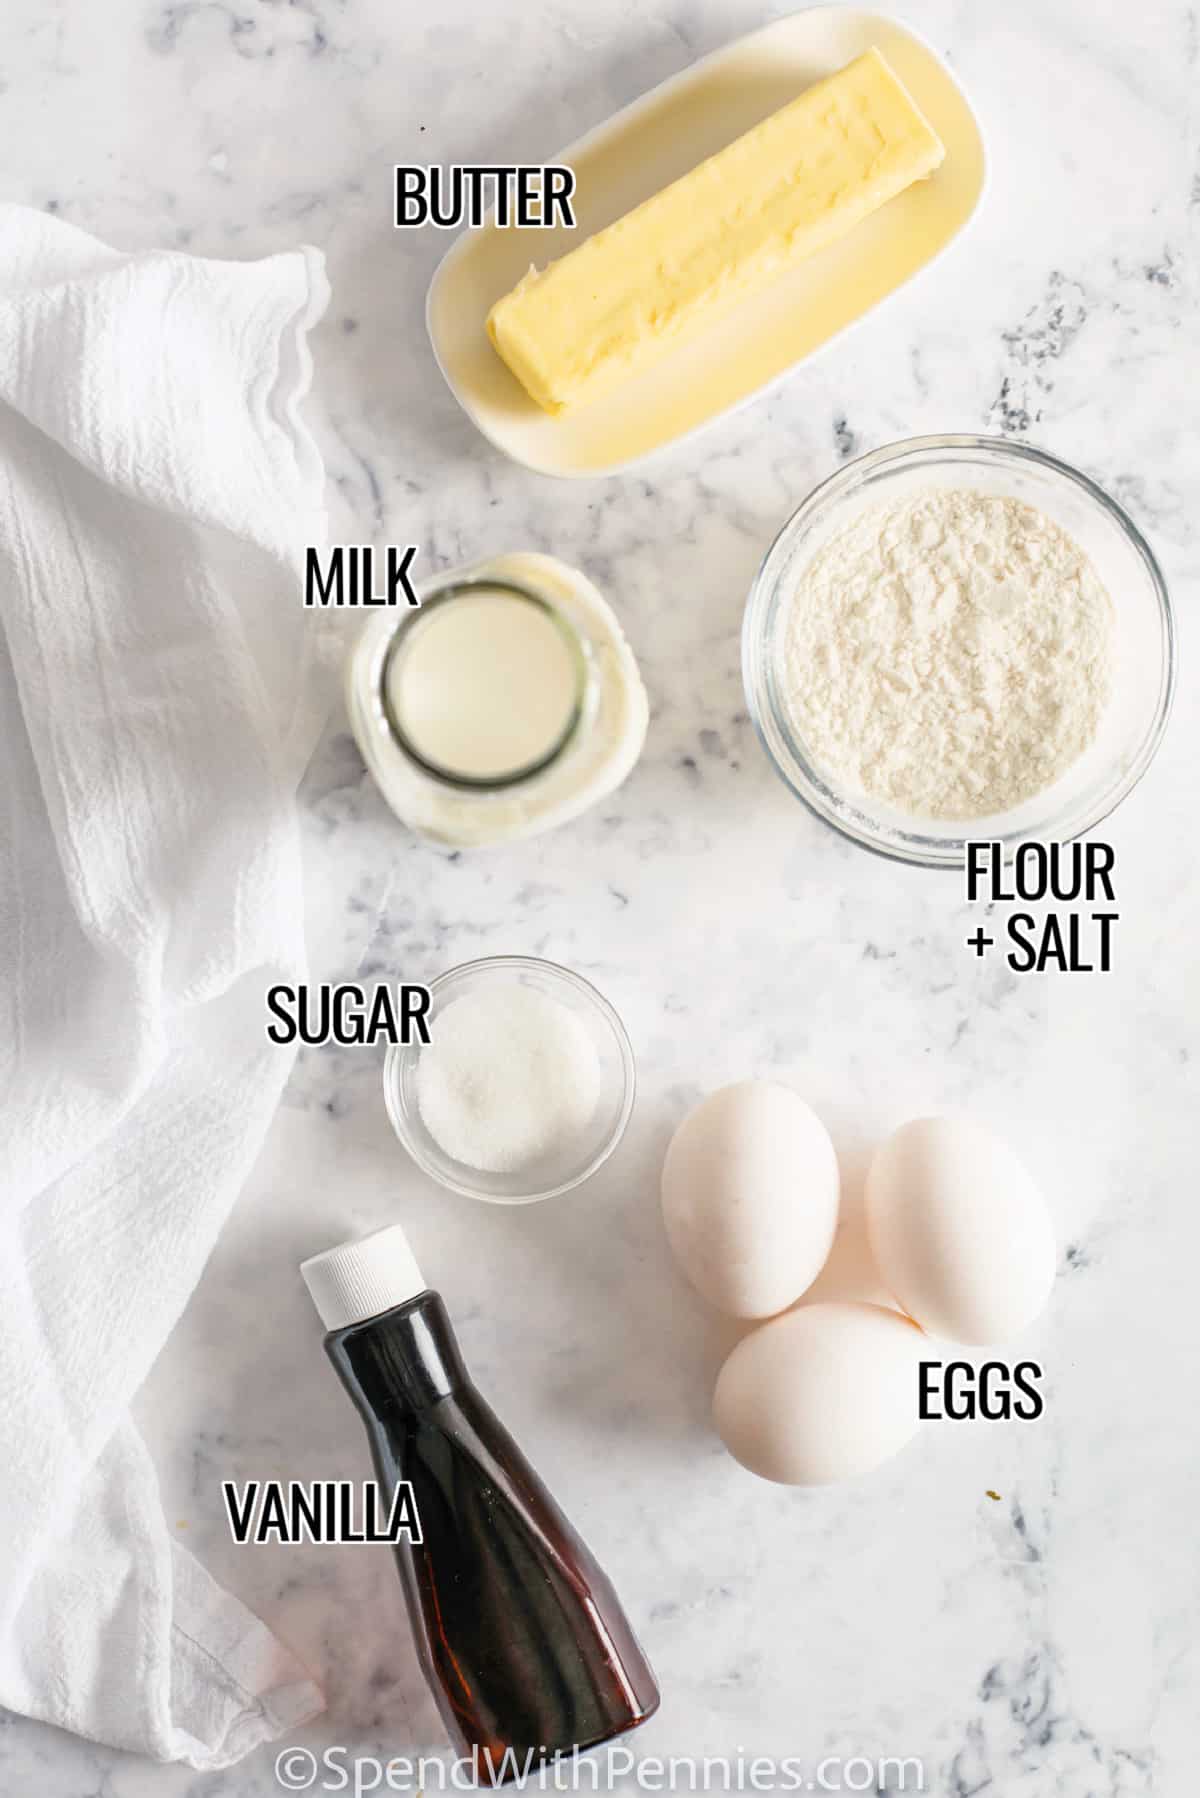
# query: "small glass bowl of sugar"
[[525, 1087]]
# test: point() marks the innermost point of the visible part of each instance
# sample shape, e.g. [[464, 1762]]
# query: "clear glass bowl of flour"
[[508, 993], [1131, 724]]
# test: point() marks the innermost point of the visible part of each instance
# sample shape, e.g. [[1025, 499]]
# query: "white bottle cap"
[[361, 1279]]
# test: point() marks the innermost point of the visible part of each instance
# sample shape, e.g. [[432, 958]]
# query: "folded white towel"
[[157, 490]]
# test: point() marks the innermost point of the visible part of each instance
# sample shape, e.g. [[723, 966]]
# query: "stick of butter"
[[801, 179]]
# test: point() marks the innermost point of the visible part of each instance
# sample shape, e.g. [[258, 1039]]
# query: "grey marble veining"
[[1038, 1645]]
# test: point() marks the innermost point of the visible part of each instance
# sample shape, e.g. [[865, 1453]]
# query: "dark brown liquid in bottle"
[[518, 1631]]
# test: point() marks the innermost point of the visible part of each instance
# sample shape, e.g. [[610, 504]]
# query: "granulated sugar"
[[510, 1077], [950, 654]]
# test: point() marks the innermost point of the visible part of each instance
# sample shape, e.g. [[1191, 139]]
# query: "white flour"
[[950, 654]]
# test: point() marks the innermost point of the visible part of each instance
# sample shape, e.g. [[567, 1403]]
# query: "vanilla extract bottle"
[[518, 1632]]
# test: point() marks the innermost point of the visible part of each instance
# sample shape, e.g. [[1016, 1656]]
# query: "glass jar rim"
[[579, 650]]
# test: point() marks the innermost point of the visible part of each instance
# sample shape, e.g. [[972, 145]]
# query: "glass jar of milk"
[[508, 702]]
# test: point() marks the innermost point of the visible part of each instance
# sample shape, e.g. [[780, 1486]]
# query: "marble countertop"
[[1040, 1643]]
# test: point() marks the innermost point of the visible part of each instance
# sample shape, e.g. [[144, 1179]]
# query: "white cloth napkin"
[[157, 490]]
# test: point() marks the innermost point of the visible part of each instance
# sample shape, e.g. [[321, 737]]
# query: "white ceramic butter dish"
[[651, 143]]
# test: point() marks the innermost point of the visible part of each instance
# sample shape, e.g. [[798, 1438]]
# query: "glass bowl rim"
[[804, 782], [397, 1052]]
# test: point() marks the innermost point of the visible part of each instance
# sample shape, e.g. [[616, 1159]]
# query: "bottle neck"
[[402, 1361]]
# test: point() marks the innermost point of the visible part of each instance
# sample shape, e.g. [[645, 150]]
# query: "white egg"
[[960, 1232], [820, 1394], [749, 1197]]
